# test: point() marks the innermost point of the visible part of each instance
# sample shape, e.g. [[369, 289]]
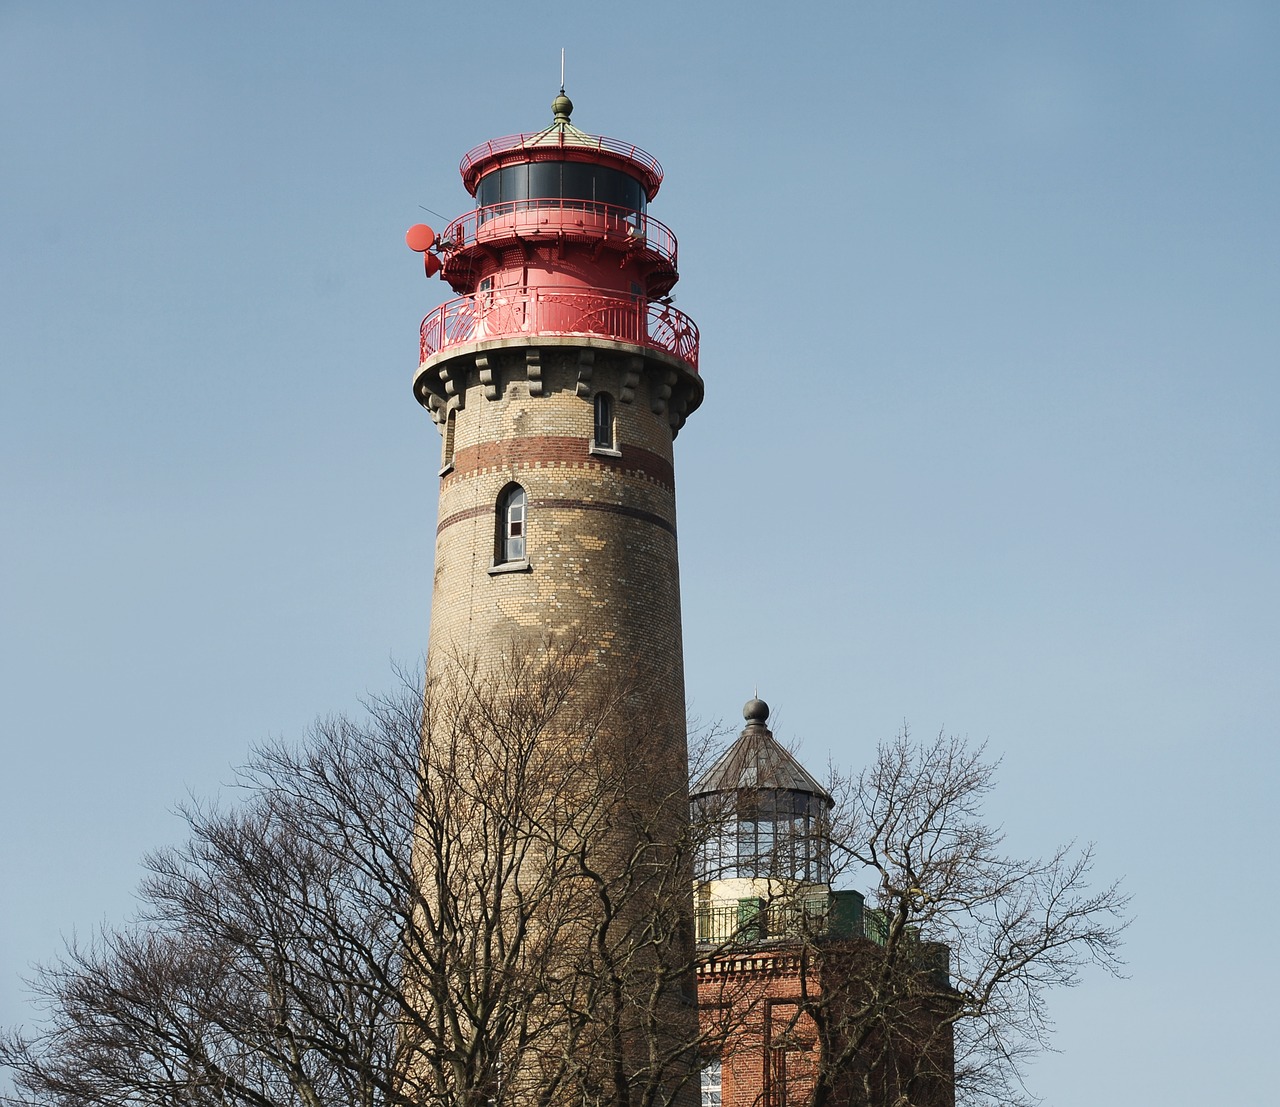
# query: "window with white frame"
[[511, 523], [711, 1082]]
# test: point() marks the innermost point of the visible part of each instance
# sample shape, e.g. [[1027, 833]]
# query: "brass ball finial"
[[562, 107]]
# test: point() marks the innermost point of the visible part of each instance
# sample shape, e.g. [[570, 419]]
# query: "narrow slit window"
[[512, 521], [446, 452], [602, 437]]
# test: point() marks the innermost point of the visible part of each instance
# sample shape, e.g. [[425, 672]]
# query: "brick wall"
[[602, 569], [751, 1004]]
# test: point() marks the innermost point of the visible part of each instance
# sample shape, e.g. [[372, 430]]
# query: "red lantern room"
[[560, 243]]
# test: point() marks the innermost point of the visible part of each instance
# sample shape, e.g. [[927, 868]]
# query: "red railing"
[[506, 313], [555, 214], [549, 142]]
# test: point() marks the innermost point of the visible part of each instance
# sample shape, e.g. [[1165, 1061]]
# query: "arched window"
[[511, 525], [602, 435]]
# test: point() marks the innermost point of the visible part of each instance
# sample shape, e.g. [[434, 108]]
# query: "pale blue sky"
[[988, 295]]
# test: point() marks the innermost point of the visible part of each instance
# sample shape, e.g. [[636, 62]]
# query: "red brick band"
[[573, 505], [517, 453], [612, 509], [461, 516]]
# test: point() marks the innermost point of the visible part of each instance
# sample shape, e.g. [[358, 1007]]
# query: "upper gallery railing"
[[556, 214]]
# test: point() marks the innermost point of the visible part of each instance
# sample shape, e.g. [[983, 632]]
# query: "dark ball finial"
[[562, 108], [756, 711]]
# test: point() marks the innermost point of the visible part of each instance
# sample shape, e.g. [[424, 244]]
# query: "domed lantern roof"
[[758, 761], [763, 814], [562, 141]]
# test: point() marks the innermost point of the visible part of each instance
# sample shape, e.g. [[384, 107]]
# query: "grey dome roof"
[[757, 761]]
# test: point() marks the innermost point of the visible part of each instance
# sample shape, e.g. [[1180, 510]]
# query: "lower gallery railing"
[[504, 313]]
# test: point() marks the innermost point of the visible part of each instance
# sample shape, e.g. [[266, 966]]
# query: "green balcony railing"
[[752, 919]]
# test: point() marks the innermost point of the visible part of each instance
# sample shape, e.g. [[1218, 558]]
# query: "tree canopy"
[[502, 913]]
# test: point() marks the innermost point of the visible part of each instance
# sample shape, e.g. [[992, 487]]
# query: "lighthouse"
[[558, 377]]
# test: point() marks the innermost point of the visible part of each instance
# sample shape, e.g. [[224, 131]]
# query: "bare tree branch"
[[476, 896]]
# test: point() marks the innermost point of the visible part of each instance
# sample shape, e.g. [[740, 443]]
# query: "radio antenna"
[[561, 68]]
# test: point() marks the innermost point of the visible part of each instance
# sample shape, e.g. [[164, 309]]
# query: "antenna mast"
[[561, 68]]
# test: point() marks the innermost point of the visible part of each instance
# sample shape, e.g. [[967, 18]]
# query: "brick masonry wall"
[[600, 540], [770, 1055], [601, 531]]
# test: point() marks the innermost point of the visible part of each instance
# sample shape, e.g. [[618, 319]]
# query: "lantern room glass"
[[773, 833], [560, 182]]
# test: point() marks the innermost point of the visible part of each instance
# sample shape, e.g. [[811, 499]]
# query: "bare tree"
[[479, 896], [937, 994], [483, 896]]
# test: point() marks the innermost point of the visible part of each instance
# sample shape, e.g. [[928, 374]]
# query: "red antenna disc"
[[432, 264], [420, 238]]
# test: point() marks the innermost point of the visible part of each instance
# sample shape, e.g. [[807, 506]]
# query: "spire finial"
[[561, 106]]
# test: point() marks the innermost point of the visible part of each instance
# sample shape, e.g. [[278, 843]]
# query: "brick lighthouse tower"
[[559, 378]]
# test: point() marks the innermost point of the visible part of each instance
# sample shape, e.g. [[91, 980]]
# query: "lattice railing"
[[505, 313]]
